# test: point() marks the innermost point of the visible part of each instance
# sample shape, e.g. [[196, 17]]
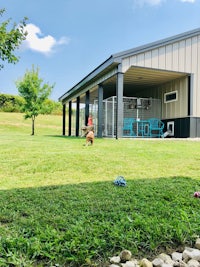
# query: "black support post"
[[100, 111], [70, 119], [87, 106], [64, 118], [120, 107], [77, 115]]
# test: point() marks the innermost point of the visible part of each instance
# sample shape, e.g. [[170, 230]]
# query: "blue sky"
[[67, 39]]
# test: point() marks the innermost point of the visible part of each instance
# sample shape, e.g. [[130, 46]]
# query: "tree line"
[[14, 103]]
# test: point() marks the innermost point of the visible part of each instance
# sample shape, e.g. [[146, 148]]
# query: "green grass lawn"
[[59, 206]]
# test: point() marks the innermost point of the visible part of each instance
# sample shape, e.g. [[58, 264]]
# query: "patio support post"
[[193, 122], [190, 94], [64, 118], [87, 106], [120, 108], [100, 111], [77, 115], [70, 119]]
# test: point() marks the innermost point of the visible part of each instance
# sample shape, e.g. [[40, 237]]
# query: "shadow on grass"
[[82, 224], [64, 136], [74, 137]]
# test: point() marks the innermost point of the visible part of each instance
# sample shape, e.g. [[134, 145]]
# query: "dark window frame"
[[171, 96]]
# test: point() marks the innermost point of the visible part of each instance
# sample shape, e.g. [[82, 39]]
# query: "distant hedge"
[[10, 103], [13, 103]]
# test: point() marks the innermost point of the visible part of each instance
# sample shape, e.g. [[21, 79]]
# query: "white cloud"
[[156, 2], [152, 2], [147, 2], [189, 1], [36, 41]]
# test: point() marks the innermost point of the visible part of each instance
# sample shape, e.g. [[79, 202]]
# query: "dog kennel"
[[139, 109]]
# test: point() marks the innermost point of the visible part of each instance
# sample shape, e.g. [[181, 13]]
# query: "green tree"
[[10, 39], [35, 92]]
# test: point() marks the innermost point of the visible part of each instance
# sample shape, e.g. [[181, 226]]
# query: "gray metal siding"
[[177, 108], [183, 56]]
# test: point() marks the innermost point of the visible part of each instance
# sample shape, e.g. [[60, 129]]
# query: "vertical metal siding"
[[183, 56], [155, 58], [161, 59], [133, 61], [177, 108], [197, 77], [175, 57], [169, 64], [147, 59], [188, 54], [140, 60], [194, 68]]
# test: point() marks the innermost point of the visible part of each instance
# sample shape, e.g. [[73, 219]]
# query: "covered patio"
[[166, 71], [135, 84]]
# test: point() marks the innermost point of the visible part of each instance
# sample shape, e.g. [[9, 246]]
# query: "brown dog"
[[88, 132], [90, 138]]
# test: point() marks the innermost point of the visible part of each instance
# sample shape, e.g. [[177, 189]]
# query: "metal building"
[[167, 70]]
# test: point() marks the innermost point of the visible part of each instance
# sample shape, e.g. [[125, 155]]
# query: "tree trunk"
[[33, 125]]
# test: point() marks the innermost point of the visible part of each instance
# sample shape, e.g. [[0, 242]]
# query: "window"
[[171, 96]]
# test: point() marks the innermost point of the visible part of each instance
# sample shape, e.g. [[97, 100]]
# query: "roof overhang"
[[141, 78], [137, 77], [98, 75], [135, 80]]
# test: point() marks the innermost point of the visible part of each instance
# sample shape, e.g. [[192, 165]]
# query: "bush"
[[52, 107], [13, 103], [10, 103]]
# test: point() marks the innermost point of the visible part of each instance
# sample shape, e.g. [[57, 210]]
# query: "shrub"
[[10, 103], [13, 103]]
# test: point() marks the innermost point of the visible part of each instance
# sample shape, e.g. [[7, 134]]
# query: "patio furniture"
[[128, 127], [143, 128], [156, 127]]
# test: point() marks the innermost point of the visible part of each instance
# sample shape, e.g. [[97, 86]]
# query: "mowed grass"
[[59, 206]]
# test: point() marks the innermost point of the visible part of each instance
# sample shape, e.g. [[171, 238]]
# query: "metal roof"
[[106, 66], [156, 44], [136, 76]]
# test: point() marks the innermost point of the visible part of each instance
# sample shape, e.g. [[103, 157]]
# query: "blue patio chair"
[[128, 127], [156, 127], [143, 128]]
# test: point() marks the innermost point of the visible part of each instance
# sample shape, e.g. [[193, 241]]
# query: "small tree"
[[10, 39], [34, 92]]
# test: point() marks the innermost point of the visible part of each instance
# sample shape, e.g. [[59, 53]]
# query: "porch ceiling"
[[147, 77], [137, 78]]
